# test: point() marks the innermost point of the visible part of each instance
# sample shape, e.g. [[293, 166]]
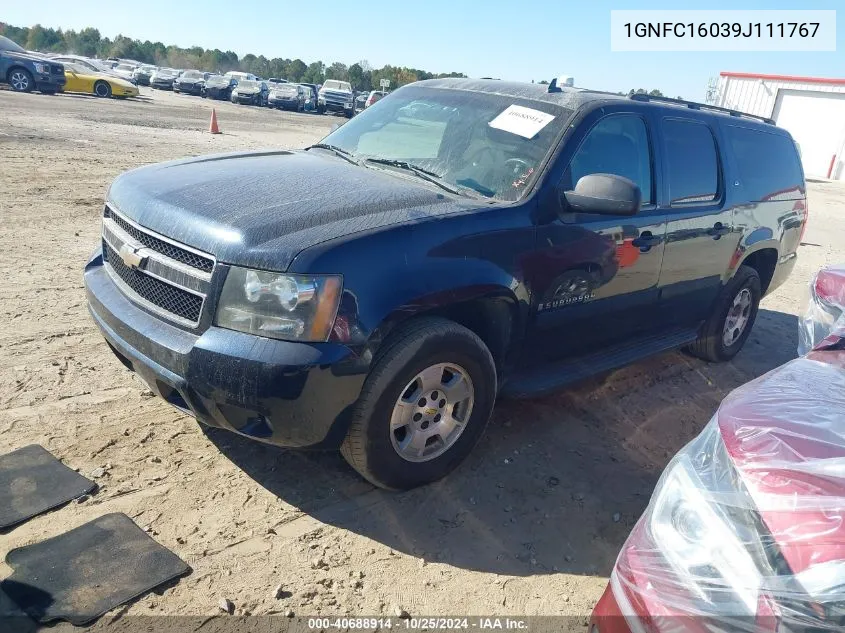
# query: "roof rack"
[[692, 105]]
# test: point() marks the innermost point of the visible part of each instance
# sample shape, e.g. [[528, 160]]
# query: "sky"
[[521, 41]]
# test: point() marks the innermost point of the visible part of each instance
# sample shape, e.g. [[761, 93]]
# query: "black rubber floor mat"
[[80, 575], [32, 481]]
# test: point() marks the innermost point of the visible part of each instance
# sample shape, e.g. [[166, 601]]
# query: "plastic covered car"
[[746, 528]]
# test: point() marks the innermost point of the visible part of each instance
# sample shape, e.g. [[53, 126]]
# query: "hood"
[[28, 56], [785, 434], [284, 92], [246, 90], [260, 209]]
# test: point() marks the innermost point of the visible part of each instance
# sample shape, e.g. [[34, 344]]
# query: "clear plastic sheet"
[[746, 528], [824, 315]]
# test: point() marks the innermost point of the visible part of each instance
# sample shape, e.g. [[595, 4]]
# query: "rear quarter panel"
[[770, 216]]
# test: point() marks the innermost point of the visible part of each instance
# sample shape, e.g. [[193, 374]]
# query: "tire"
[[20, 79], [102, 89], [372, 448], [714, 343]]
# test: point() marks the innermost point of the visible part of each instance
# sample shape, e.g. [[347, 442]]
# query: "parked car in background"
[[26, 72], [163, 78], [142, 74], [95, 65], [190, 82], [80, 79], [287, 97], [219, 87], [126, 71], [518, 238], [336, 96], [311, 91], [360, 101], [373, 96], [249, 92], [238, 75], [746, 528], [276, 80]]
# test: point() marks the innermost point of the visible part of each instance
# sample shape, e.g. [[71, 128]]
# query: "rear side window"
[[693, 163], [618, 144], [767, 164]]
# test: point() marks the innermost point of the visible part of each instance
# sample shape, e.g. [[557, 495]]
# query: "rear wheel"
[[20, 80], [424, 405], [102, 89], [733, 316]]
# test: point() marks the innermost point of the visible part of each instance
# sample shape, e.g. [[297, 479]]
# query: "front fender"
[[393, 274]]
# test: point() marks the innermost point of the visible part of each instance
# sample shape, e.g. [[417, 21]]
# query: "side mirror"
[[606, 194]]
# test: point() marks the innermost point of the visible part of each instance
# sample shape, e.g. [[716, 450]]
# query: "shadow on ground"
[[555, 484]]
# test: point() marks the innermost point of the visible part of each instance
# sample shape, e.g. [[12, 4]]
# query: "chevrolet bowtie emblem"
[[131, 256]]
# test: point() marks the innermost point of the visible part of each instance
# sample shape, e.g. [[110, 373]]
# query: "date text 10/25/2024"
[[422, 623]]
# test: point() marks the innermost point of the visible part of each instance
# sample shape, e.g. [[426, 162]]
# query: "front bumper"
[[292, 104], [279, 392], [247, 99], [337, 106], [188, 89], [218, 93]]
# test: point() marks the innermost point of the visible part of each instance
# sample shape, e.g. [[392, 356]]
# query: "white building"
[[811, 108]]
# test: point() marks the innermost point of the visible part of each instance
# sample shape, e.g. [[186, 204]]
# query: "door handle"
[[646, 240], [718, 230]]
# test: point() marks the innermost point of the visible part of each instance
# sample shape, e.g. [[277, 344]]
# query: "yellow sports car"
[[82, 79]]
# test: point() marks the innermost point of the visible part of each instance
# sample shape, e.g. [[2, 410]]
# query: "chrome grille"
[[169, 249], [169, 298], [168, 278]]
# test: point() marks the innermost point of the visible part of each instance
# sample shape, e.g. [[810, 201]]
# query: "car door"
[[594, 278], [700, 235], [75, 81]]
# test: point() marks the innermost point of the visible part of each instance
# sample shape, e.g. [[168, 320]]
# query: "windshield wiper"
[[421, 172], [338, 151]]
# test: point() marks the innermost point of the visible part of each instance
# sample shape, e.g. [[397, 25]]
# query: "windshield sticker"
[[525, 122]]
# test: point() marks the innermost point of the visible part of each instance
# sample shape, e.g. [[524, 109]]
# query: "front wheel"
[[424, 405], [102, 89], [20, 80], [730, 323]]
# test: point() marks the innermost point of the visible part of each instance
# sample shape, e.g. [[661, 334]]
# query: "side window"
[[767, 164], [693, 165], [617, 145]]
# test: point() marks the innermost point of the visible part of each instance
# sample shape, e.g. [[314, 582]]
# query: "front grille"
[[180, 302], [167, 249]]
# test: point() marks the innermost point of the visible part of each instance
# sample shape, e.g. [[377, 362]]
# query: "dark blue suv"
[[26, 72], [457, 240]]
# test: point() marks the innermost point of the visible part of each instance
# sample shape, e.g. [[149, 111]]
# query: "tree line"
[[90, 43]]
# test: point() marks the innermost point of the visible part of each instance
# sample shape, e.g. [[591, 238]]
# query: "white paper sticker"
[[525, 122]]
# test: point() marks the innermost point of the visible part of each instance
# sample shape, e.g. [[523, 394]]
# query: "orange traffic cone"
[[213, 129]]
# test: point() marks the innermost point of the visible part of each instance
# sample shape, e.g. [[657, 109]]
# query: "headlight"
[[42, 68], [289, 307], [708, 551]]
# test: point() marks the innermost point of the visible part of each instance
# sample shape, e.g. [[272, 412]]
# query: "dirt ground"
[[529, 525]]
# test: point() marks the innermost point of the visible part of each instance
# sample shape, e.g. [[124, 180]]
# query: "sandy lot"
[[529, 525]]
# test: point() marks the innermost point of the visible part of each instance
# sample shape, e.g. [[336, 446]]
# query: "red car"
[[746, 528]]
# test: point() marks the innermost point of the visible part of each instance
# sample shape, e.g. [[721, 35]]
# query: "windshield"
[[247, 83], [217, 79], [192, 74], [334, 84], [8, 45], [469, 139]]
